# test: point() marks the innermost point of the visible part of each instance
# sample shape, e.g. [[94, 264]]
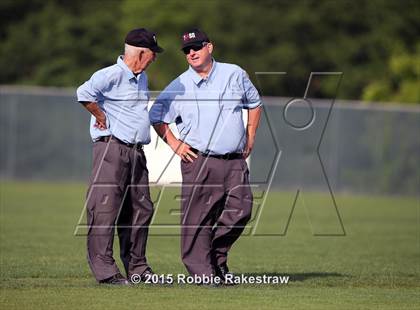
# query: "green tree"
[[60, 43], [402, 81]]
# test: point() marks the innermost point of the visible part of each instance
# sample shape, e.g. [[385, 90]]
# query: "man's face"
[[146, 58], [199, 56]]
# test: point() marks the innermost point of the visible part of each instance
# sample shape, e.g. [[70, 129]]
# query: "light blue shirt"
[[123, 97], [208, 112]]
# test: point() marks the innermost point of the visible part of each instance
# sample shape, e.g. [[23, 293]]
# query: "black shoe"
[[116, 279], [147, 275], [223, 272]]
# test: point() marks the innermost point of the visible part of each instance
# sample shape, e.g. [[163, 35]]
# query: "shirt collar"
[[197, 78], [130, 75]]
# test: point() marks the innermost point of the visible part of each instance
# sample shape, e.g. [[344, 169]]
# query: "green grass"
[[376, 265]]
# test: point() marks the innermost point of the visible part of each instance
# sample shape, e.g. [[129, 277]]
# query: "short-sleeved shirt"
[[123, 97], [208, 112]]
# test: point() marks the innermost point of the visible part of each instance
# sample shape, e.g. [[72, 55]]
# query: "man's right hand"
[[96, 111], [100, 122], [184, 151]]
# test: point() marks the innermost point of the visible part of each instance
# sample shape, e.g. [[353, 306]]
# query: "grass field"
[[376, 265]]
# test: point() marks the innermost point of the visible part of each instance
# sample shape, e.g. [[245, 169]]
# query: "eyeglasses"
[[195, 48]]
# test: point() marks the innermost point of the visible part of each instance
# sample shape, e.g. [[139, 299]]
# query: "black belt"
[[106, 139], [227, 156]]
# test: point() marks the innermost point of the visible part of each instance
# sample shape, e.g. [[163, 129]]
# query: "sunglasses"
[[195, 48]]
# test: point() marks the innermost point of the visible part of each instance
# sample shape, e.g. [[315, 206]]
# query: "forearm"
[[254, 116], [94, 109], [97, 112], [163, 131]]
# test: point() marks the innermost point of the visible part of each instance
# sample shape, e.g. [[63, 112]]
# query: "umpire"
[[206, 103], [117, 98]]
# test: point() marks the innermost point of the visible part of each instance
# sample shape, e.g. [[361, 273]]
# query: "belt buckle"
[[138, 146], [103, 139]]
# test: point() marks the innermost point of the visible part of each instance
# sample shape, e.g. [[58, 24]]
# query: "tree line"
[[376, 43]]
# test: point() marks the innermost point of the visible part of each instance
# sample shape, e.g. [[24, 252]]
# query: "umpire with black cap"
[[118, 193]]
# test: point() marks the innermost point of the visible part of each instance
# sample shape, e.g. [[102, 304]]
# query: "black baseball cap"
[[142, 37], [194, 37]]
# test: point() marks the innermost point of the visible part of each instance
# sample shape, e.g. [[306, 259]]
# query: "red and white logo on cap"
[[188, 36]]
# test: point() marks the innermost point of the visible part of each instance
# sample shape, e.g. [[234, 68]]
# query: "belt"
[[227, 156], [106, 139]]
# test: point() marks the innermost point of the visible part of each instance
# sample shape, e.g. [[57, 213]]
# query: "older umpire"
[[206, 103], [117, 98]]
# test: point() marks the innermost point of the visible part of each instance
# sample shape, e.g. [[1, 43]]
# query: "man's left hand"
[[248, 148]]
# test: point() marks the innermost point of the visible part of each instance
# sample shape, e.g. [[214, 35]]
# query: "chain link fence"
[[312, 144]]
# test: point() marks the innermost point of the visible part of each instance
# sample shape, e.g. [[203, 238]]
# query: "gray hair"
[[131, 50]]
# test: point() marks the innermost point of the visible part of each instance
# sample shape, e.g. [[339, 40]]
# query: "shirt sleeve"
[[91, 90], [251, 99], [164, 109]]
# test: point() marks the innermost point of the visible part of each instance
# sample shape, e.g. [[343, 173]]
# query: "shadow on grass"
[[299, 276]]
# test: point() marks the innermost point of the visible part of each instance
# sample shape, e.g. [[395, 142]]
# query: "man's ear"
[[210, 47]]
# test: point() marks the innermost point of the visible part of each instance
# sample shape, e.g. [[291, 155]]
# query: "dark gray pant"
[[119, 196], [216, 206]]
